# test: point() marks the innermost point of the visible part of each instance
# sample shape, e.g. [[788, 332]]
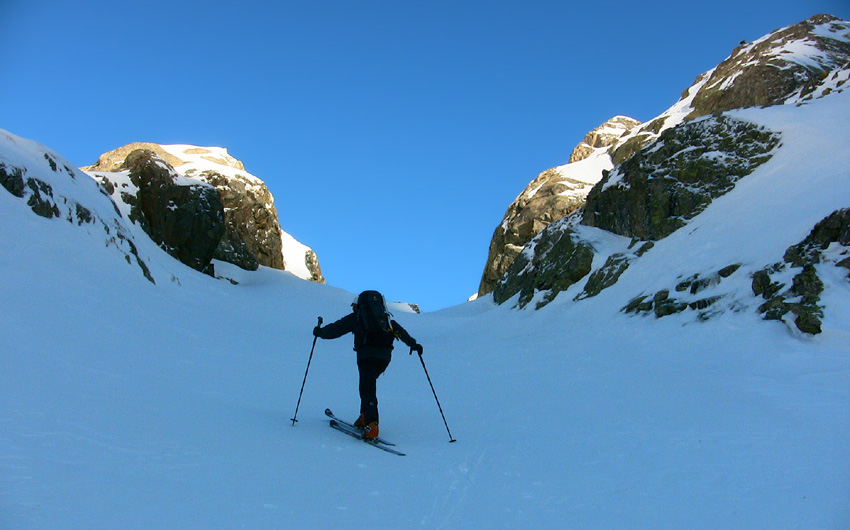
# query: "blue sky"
[[393, 135]]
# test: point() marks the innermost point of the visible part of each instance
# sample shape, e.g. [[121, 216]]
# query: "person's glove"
[[317, 330], [416, 348]]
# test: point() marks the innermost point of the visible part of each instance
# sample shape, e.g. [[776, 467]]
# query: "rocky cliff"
[[667, 172], [657, 190], [185, 220], [554, 194], [252, 235]]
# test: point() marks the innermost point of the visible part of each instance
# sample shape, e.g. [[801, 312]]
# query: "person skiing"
[[374, 333]]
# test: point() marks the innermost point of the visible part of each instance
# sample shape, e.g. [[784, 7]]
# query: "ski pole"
[[451, 438], [305, 376]]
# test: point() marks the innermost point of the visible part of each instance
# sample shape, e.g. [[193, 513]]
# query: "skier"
[[374, 333]]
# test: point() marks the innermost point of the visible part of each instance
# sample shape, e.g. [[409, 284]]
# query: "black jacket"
[[373, 345]]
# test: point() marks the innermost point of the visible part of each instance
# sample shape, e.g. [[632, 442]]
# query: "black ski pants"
[[370, 369]]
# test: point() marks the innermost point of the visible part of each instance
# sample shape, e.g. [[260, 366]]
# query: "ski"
[[331, 415], [355, 433]]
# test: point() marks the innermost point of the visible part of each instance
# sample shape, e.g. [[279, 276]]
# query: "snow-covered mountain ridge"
[[51, 188], [685, 167]]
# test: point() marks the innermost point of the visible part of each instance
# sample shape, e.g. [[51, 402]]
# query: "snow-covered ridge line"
[[47, 183], [820, 44]]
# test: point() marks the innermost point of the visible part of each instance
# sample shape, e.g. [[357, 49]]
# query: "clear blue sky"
[[393, 134]]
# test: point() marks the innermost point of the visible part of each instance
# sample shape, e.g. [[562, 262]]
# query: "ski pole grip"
[[320, 321]]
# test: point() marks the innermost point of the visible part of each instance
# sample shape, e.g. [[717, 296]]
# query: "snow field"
[[168, 407]]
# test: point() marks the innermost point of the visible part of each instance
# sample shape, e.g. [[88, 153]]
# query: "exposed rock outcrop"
[[647, 198], [554, 194], [253, 235], [39, 194], [686, 296], [788, 66], [187, 221], [548, 198], [763, 73], [657, 190], [113, 161], [828, 242], [554, 261]]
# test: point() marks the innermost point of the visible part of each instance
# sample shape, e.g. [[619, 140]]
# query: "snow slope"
[[125, 404]]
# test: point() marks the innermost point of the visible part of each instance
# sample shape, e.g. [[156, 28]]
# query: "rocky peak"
[[606, 135], [790, 65], [785, 65], [175, 156], [253, 235], [555, 193]]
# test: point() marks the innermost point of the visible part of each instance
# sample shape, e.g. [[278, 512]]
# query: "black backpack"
[[372, 314]]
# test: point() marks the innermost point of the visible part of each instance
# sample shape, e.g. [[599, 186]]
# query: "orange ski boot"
[[370, 432]]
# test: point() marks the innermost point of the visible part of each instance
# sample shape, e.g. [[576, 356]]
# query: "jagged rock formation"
[[763, 73], [550, 264], [187, 221], [252, 236], [668, 171], [555, 193]]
